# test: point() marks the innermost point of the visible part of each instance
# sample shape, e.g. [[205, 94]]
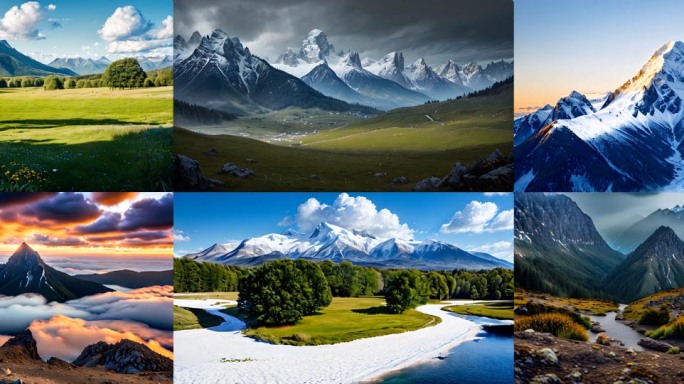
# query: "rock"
[[314, 177], [126, 357], [529, 330], [400, 180], [597, 329], [630, 351], [187, 175], [548, 356], [603, 339], [453, 179], [619, 316], [549, 378], [55, 362], [23, 344], [611, 354], [8, 372], [575, 376], [211, 152], [380, 174], [251, 161], [234, 170], [428, 184], [494, 156], [656, 345]]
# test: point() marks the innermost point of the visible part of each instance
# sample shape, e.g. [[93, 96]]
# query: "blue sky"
[[473, 221], [586, 45], [61, 28]]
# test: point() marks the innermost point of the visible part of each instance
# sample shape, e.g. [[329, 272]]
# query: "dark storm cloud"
[[109, 222], [8, 199], [65, 207], [149, 214], [470, 30]]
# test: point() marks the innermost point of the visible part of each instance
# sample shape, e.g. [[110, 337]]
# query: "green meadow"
[[364, 154], [92, 139], [502, 310]]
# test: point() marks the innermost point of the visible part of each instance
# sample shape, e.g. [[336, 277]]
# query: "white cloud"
[[21, 22], [477, 217], [502, 250], [134, 46], [165, 31], [179, 235], [351, 213], [492, 194], [126, 22]]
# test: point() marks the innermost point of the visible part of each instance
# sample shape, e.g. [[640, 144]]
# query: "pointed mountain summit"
[[331, 242], [632, 143], [26, 272], [656, 265], [195, 39], [223, 73], [21, 346]]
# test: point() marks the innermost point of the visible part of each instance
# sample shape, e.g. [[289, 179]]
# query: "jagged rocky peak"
[[395, 58], [315, 47], [195, 38], [352, 59], [290, 57], [126, 357], [22, 345]]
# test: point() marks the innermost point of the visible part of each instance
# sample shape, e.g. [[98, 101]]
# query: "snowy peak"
[[572, 106], [394, 59], [24, 257], [315, 47], [351, 59], [195, 38], [677, 209]]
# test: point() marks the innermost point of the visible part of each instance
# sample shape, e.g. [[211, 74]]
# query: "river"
[[617, 330]]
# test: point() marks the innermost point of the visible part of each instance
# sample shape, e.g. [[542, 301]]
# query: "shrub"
[[655, 317], [674, 329], [70, 84], [556, 324], [26, 83], [148, 83], [81, 83], [3, 83], [53, 83], [301, 337], [124, 73], [406, 289], [673, 351]]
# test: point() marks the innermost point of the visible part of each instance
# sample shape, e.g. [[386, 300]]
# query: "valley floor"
[[223, 354]]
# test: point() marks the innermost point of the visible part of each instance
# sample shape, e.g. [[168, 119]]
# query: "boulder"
[[234, 170], [548, 356], [494, 156], [596, 328], [656, 345], [212, 152], [187, 175], [400, 180], [380, 174], [453, 179], [425, 185], [549, 378], [603, 339]]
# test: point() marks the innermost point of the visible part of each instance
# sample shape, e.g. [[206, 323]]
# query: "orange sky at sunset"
[[88, 224]]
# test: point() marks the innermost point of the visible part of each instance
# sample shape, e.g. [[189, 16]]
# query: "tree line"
[[283, 291], [121, 74]]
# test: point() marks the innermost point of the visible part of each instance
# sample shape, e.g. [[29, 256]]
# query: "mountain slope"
[[630, 239], [558, 249], [15, 63], [325, 80], [131, 279], [222, 74], [82, 66], [26, 272], [636, 138], [425, 80], [656, 265], [331, 242]]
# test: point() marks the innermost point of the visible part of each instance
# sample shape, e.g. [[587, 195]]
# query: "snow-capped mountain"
[[325, 80], [633, 143], [149, 64], [223, 74], [427, 81], [390, 67], [570, 107], [315, 48], [82, 66], [331, 242], [473, 75], [26, 272], [15, 63], [636, 234], [183, 48]]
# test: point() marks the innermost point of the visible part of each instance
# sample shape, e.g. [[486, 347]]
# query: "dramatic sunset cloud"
[[93, 224]]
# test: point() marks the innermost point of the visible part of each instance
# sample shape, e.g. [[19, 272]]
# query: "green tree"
[[27, 82], [406, 289], [124, 73], [148, 83], [438, 286], [81, 83], [283, 291], [53, 83], [3, 83], [70, 84]]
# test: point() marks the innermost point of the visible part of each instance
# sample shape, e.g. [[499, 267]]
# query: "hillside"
[[15, 63], [131, 279]]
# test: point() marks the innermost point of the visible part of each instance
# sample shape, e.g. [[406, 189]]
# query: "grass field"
[[502, 310], [344, 320], [86, 139], [597, 307], [403, 142], [191, 318]]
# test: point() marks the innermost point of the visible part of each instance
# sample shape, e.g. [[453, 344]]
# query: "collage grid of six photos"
[[299, 191]]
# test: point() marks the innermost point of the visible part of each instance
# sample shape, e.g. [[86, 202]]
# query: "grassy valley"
[[366, 154], [85, 139]]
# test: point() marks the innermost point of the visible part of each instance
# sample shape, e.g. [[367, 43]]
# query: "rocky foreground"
[[542, 358], [125, 362]]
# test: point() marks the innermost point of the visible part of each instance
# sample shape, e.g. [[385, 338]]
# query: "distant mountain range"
[[227, 76], [26, 272], [131, 279], [84, 66], [633, 141], [559, 251], [331, 242], [15, 63]]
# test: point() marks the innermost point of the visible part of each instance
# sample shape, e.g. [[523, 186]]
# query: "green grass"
[[86, 139], [207, 295], [191, 318], [402, 142], [634, 310], [346, 319], [597, 307], [502, 310]]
